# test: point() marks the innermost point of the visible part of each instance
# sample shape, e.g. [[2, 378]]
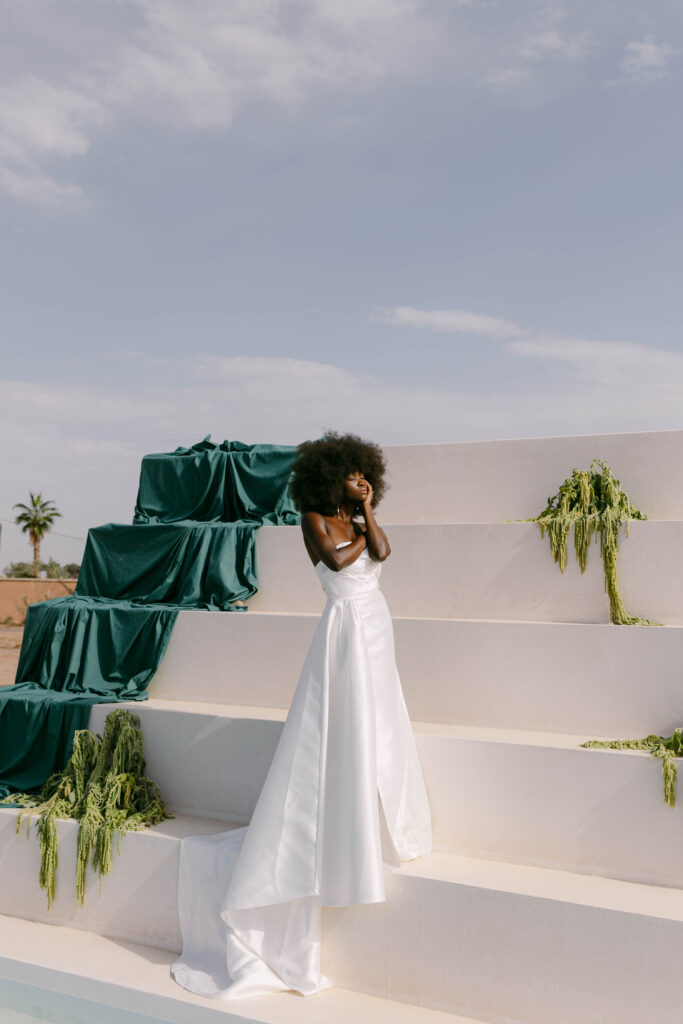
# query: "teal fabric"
[[193, 545], [187, 565], [36, 734], [76, 652], [107, 650], [211, 483]]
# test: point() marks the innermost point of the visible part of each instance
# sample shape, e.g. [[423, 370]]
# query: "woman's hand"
[[378, 545], [367, 500]]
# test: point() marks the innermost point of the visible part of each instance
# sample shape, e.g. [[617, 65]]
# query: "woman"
[[344, 797]]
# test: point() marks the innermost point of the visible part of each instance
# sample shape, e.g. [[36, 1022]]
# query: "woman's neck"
[[345, 511]]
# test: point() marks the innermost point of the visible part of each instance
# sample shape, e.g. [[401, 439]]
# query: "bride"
[[344, 797]]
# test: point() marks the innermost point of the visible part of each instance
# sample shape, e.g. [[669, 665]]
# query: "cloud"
[[536, 48], [197, 65], [37, 121], [552, 44], [610, 363], [620, 368], [34, 187], [606, 362], [505, 79], [458, 321], [192, 64], [646, 60]]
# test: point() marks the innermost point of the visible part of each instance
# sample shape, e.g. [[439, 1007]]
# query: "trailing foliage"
[[593, 502], [667, 749], [104, 788]]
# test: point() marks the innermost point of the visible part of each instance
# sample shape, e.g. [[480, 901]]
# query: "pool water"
[[28, 1004]]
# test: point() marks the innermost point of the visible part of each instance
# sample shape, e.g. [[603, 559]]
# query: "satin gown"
[[343, 800]]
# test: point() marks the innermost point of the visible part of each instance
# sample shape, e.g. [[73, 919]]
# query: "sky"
[[418, 220]]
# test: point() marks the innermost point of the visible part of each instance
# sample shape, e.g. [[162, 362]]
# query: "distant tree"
[[52, 569], [20, 570], [36, 519]]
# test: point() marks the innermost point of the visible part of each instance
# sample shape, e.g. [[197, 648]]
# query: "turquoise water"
[[28, 1004]]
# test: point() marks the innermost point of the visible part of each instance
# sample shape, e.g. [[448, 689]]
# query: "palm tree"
[[36, 519]]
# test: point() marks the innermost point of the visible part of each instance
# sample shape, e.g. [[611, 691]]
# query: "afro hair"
[[320, 468]]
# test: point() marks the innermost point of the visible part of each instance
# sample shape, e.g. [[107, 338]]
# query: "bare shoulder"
[[313, 523], [310, 518]]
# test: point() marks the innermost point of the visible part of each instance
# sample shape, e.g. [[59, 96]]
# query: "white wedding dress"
[[344, 798]]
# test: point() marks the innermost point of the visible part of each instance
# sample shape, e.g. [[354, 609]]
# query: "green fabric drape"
[[108, 650], [76, 652], [36, 734], [193, 545], [212, 483], [188, 565]]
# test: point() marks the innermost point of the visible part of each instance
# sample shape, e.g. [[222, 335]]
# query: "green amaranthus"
[[104, 788], [593, 502], [667, 748]]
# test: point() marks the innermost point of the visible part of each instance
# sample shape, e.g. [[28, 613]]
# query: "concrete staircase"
[[554, 894]]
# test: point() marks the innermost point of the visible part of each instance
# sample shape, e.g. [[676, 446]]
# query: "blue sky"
[[421, 221]]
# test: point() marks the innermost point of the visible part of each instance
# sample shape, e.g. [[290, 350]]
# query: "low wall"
[[17, 595]]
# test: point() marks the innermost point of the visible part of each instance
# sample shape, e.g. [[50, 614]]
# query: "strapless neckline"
[[337, 546], [358, 569]]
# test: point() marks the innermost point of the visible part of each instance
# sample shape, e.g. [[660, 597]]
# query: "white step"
[[513, 943], [535, 797], [486, 481], [497, 941], [69, 965], [517, 675], [138, 899], [488, 571]]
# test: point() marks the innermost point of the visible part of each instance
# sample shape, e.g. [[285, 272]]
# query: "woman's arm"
[[378, 545], [315, 531]]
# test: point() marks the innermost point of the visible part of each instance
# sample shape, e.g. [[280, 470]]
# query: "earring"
[[337, 509]]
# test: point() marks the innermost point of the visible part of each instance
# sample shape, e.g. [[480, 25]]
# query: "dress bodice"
[[355, 580]]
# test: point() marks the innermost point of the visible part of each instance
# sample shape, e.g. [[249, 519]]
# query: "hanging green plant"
[[593, 502], [104, 788], [668, 749]]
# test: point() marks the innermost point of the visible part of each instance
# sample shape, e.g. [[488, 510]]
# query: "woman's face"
[[355, 487]]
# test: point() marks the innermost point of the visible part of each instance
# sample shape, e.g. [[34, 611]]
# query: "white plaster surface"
[[497, 941], [506, 794], [515, 955], [137, 978], [489, 481], [488, 571], [517, 675], [137, 899]]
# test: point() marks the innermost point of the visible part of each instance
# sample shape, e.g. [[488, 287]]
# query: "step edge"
[[445, 866], [163, 995]]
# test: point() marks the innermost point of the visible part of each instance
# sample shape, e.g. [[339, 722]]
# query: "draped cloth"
[[218, 483], [89, 645], [344, 798], [76, 652], [193, 546], [187, 565]]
